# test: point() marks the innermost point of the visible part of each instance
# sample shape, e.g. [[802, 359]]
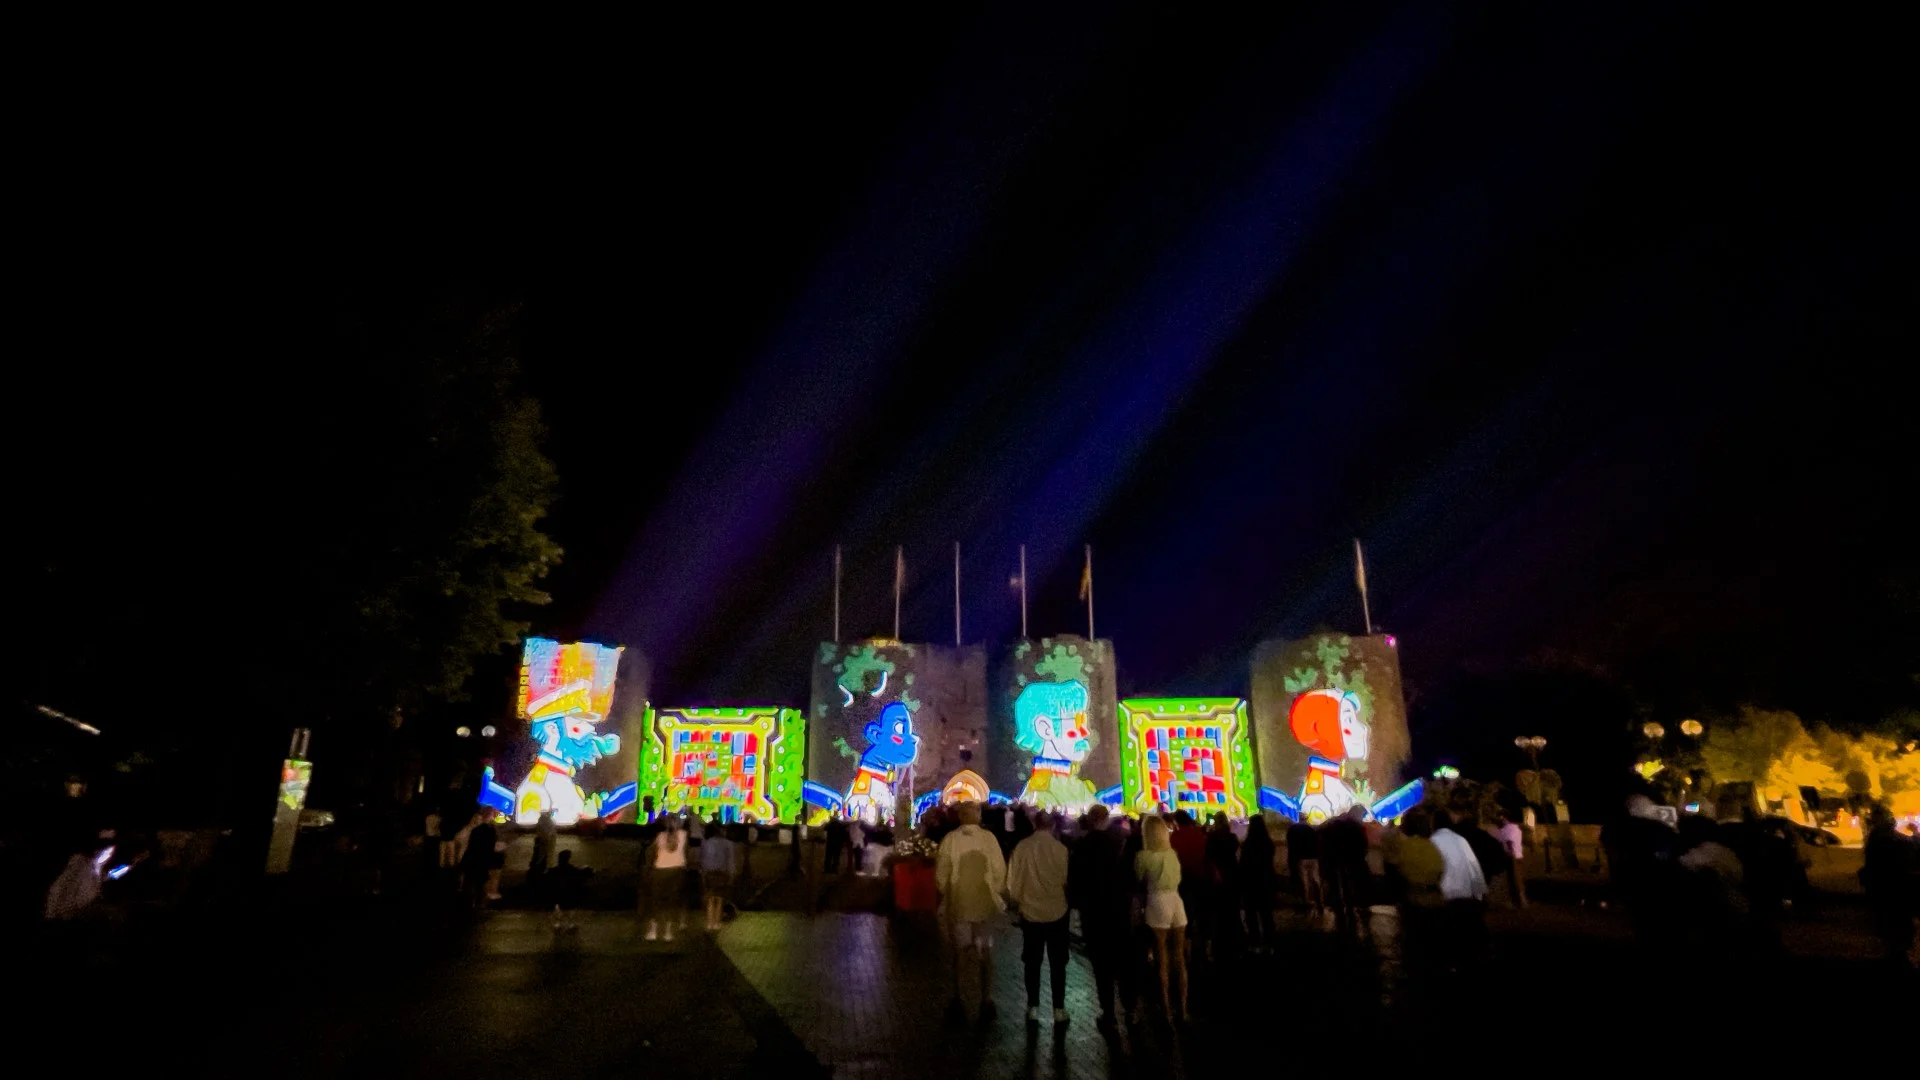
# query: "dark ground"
[[388, 987]]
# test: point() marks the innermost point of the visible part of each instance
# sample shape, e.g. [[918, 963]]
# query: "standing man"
[[836, 840], [544, 835], [971, 876], [1037, 884], [1100, 879], [1463, 885], [1514, 841], [1343, 869], [856, 845]]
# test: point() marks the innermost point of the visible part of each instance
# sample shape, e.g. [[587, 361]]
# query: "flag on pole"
[[1086, 589], [1360, 579]]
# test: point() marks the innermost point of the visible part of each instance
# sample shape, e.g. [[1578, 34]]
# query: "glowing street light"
[[463, 731], [1532, 744], [1692, 728]]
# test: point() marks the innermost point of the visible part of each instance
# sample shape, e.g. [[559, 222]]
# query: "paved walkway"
[[386, 990], [867, 994]]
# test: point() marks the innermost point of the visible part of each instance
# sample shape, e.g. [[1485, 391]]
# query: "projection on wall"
[[1332, 728], [737, 763], [1186, 754], [888, 720], [1054, 745], [577, 772]]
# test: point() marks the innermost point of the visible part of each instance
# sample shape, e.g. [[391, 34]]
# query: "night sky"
[[1592, 326], [1586, 325]]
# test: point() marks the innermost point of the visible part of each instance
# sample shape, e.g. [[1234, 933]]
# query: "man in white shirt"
[[1037, 884], [1462, 878], [971, 875], [1464, 885]]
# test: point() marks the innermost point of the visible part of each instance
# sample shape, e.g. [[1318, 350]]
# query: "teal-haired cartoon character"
[[1050, 722]]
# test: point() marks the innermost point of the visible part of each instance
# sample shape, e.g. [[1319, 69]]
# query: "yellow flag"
[[1086, 576]]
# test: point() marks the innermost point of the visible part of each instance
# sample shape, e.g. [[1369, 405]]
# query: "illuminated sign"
[[1186, 754], [737, 763]]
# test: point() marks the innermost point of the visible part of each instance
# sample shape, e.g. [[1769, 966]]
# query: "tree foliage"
[[1776, 752], [232, 556]]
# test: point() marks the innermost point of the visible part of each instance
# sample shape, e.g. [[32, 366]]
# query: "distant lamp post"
[[1532, 744], [1692, 728], [463, 731], [1652, 730], [487, 732]]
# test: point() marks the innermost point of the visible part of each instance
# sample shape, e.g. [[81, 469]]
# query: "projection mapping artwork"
[[1332, 728], [1186, 754], [566, 695], [737, 763], [891, 723], [1056, 697]]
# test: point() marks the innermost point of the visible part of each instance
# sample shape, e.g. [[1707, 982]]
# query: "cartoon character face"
[[1354, 732], [573, 740], [1050, 720], [890, 739], [1328, 722]]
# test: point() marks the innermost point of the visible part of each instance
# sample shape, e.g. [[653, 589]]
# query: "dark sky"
[[1592, 325], [1587, 324]]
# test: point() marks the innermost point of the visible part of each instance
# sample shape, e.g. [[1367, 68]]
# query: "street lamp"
[[1692, 728], [1532, 744], [1652, 730]]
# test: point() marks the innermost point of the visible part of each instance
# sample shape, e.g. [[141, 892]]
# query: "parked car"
[[1814, 836]]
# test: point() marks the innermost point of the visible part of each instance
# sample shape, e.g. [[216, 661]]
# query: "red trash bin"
[[913, 886]]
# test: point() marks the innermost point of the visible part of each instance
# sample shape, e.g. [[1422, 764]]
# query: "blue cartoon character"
[[892, 746], [1050, 722], [568, 743]]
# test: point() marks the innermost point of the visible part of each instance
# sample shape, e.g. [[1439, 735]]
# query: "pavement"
[[400, 987]]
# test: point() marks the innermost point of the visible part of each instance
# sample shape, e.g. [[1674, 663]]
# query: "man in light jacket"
[[1037, 884], [1464, 886], [971, 875]]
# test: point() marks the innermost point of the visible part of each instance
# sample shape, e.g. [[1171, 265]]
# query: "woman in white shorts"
[[1159, 867]]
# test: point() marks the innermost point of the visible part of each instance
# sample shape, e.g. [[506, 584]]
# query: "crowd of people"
[[1714, 887], [1159, 894], [1187, 893]]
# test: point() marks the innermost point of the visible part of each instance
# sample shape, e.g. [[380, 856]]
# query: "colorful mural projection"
[[295, 775], [737, 763], [932, 699], [566, 695], [1332, 728], [1054, 746], [1187, 754]]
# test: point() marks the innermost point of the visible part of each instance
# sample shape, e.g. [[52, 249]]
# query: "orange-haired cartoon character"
[[1328, 723]]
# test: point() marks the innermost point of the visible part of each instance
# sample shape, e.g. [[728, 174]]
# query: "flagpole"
[[899, 578], [1023, 590], [956, 593], [1360, 578], [836, 594], [1090, 636]]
